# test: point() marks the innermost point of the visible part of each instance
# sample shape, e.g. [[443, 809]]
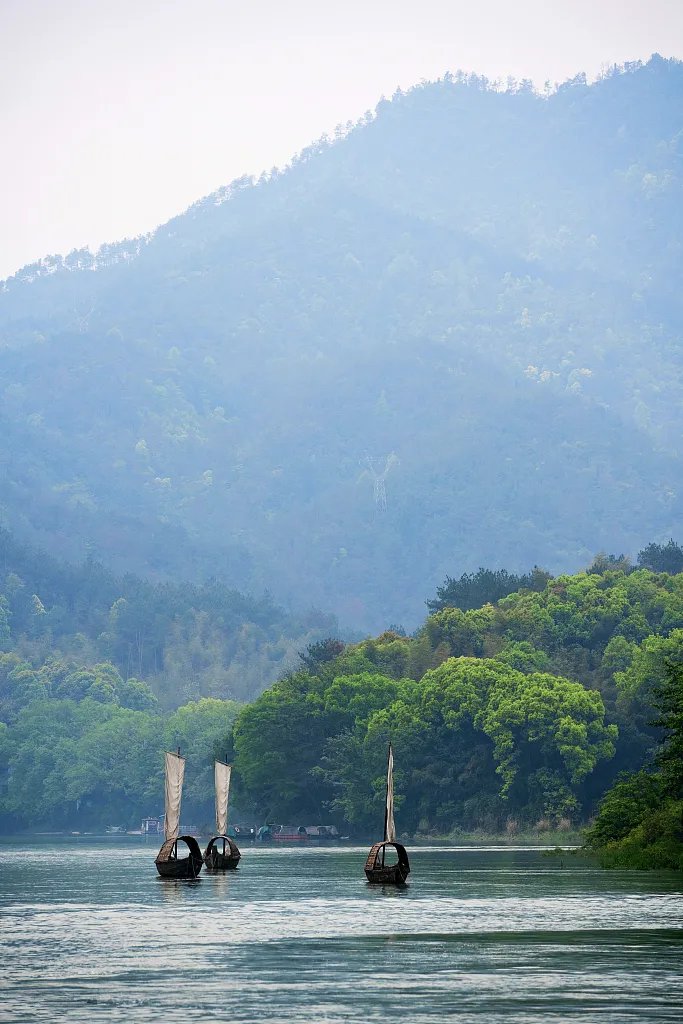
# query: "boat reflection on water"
[[178, 890]]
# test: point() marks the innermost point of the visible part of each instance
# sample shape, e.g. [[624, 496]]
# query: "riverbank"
[[531, 837], [540, 837]]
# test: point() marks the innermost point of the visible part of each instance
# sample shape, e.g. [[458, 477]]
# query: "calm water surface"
[[90, 933]]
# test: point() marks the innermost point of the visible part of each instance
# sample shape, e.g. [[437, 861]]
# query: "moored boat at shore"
[[289, 834]]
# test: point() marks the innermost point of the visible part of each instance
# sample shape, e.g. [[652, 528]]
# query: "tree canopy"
[[640, 819], [515, 714]]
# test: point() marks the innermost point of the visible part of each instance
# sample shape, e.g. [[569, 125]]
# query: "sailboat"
[[376, 868], [222, 853], [168, 863]]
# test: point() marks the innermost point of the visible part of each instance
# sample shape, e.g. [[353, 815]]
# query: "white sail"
[[390, 829], [175, 772], [222, 774]]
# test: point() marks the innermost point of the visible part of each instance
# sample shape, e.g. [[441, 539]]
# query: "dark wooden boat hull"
[[169, 865], [378, 873], [216, 859], [392, 875], [184, 867], [220, 863]]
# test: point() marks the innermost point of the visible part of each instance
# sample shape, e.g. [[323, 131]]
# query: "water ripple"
[[89, 933]]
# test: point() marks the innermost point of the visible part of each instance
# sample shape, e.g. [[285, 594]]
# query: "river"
[[90, 933]]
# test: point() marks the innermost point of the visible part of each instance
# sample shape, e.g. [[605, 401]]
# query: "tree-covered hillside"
[[504, 717], [82, 627], [450, 333], [100, 674], [512, 715]]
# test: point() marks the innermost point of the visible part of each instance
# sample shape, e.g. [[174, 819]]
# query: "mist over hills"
[[473, 293]]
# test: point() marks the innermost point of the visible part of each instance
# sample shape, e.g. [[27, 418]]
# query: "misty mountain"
[[449, 336]]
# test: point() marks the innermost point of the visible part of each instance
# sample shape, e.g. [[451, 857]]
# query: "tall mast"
[[386, 795]]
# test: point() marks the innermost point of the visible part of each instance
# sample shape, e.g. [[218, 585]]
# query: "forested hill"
[[505, 716], [80, 631], [468, 303]]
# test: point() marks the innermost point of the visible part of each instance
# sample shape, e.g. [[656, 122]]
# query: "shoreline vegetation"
[[551, 839], [640, 820]]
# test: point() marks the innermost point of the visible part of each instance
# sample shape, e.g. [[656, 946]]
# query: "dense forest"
[[503, 716], [451, 328], [520, 713], [640, 819], [185, 641], [100, 674]]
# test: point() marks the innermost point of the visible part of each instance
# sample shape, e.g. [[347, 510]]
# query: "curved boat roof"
[[166, 850]]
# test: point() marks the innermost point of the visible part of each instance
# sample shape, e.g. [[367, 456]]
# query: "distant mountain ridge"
[[483, 284]]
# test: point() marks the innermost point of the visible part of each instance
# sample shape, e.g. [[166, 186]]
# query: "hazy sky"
[[116, 114]]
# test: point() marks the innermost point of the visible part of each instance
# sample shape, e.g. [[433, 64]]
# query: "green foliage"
[[656, 842], [278, 740], [618, 655], [79, 744], [461, 632], [321, 652], [588, 609], [113, 636], [662, 557], [647, 669], [202, 731], [486, 586], [669, 702], [19, 685], [4, 622], [69, 762], [526, 709], [136, 695], [505, 713], [624, 807], [523, 656], [544, 722], [310, 743], [640, 820], [603, 563]]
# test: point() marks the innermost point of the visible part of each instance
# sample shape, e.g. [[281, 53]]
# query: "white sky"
[[117, 114]]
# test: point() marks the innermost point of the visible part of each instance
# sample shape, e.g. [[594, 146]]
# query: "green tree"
[[540, 723], [486, 586], [669, 702], [201, 729], [19, 685], [640, 820], [624, 807], [278, 740], [4, 623], [662, 557]]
